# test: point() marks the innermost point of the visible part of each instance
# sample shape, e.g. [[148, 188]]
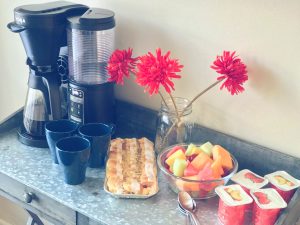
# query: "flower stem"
[[163, 99], [175, 106], [182, 112], [201, 93]]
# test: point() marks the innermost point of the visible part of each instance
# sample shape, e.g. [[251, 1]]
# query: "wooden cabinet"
[[36, 202]]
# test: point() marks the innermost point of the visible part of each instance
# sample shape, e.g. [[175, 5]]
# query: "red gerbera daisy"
[[153, 71], [233, 70], [120, 64]]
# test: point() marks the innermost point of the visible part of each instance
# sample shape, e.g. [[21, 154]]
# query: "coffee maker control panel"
[[76, 109]]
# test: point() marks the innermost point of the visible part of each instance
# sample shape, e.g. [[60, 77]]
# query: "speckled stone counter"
[[33, 167]]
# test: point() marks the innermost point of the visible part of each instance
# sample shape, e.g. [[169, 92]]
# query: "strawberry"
[[262, 198], [253, 178]]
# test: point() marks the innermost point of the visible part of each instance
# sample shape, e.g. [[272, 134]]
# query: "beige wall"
[[265, 34]]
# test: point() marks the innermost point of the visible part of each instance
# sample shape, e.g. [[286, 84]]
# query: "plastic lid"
[[249, 180], [93, 19], [49, 8], [268, 198], [47, 14], [283, 181], [233, 195]]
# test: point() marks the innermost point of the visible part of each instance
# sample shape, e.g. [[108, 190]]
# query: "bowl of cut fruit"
[[197, 168]]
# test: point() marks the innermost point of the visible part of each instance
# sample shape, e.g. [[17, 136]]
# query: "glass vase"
[[170, 128]]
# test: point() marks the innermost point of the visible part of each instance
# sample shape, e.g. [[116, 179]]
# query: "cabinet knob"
[[28, 197]]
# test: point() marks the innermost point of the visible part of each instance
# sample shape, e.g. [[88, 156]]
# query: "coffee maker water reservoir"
[[91, 39]]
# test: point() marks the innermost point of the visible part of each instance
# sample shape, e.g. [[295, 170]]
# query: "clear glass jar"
[[170, 129]]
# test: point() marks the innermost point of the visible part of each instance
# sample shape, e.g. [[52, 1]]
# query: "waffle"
[[131, 167]]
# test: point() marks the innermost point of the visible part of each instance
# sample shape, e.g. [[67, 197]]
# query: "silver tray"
[[128, 195]]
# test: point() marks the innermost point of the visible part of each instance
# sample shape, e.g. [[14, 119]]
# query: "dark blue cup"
[[99, 135], [56, 130], [73, 154]]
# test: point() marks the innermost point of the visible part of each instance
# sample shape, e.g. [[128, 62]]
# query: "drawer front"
[[38, 203]]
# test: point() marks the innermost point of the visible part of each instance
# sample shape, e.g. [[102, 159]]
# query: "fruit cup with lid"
[[249, 181], [284, 184], [267, 206], [232, 204]]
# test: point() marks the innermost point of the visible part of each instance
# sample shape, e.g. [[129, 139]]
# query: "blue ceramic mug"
[[73, 154], [99, 135], [56, 130]]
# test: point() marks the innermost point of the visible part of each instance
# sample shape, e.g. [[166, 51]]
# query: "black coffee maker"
[[42, 28]]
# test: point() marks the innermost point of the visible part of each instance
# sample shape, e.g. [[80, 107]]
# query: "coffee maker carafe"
[[42, 28]]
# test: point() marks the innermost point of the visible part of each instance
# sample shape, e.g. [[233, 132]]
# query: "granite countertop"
[[34, 168]]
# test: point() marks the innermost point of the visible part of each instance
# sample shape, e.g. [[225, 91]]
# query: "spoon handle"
[[187, 219], [193, 218]]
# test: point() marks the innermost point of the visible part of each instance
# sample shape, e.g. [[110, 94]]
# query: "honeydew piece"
[[189, 149], [201, 160], [176, 155], [220, 152], [192, 149], [207, 148], [179, 167]]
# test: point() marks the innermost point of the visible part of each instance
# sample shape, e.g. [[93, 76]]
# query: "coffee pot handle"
[[53, 85]]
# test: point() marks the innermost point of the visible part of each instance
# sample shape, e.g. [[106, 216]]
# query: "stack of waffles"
[[131, 167]]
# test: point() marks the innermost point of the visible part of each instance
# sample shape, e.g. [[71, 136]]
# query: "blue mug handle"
[[112, 128]]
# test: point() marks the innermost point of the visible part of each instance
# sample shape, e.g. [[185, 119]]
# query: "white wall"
[[265, 34]]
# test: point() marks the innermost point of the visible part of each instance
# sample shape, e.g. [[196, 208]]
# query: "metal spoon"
[[183, 211], [189, 205], [187, 217]]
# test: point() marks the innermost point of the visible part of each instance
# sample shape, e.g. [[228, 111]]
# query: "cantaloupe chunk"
[[200, 161], [188, 186], [219, 152], [216, 166], [176, 155]]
